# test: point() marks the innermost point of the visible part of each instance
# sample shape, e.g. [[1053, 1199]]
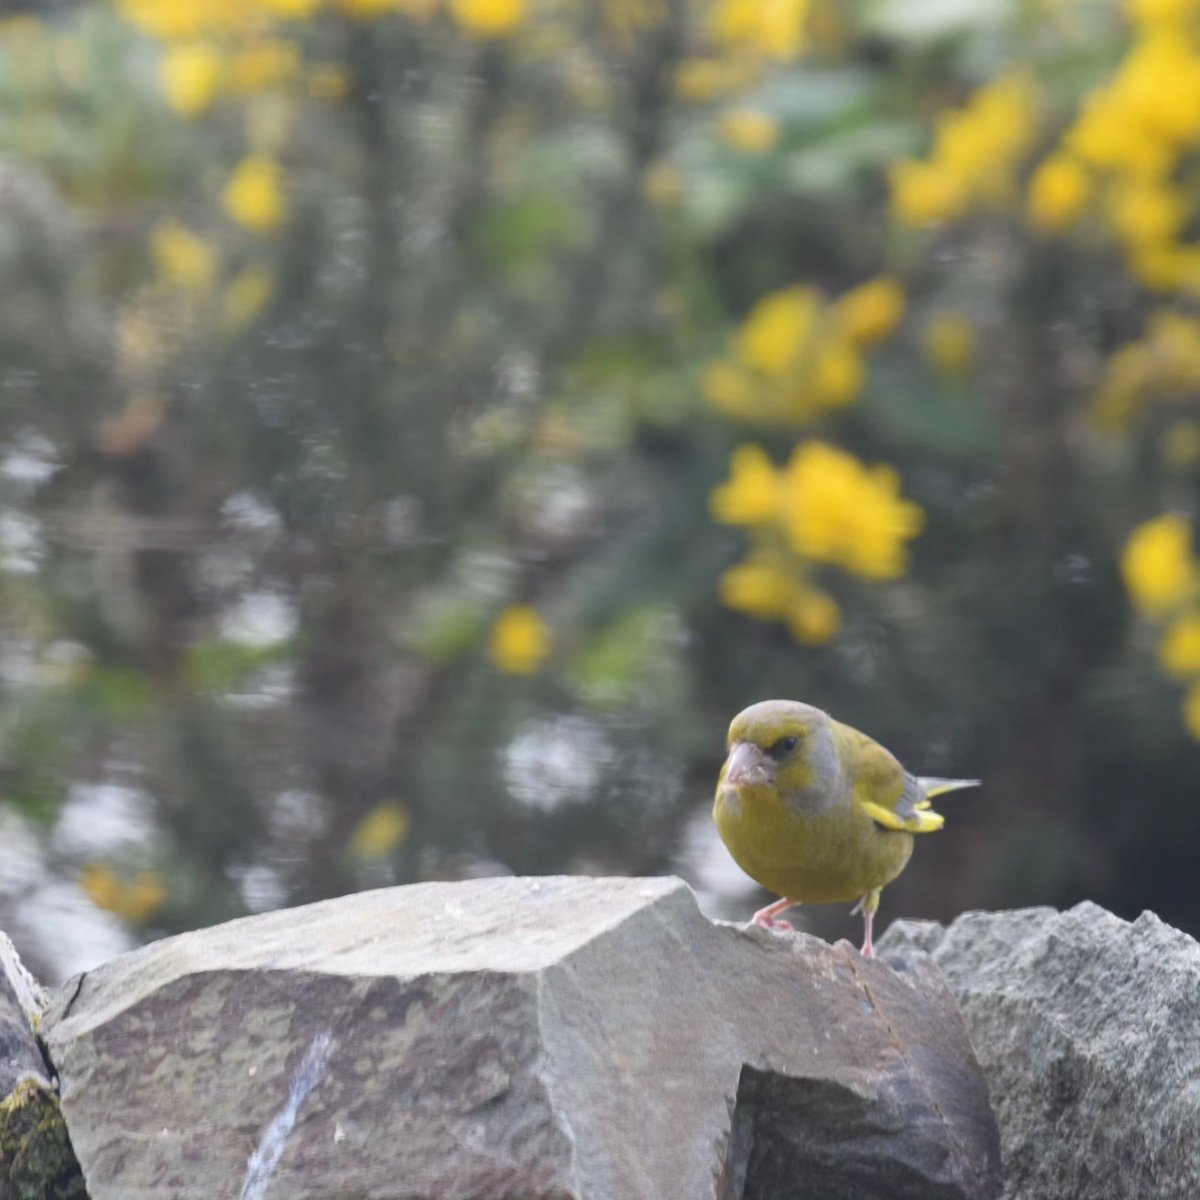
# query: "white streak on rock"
[[29, 993], [264, 1160]]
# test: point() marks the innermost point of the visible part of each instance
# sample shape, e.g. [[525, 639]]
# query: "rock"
[[1088, 1028], [21, 1004], [517, 1039], [36, 1159]]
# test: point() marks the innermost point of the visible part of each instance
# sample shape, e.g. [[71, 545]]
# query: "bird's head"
[[784, 747]]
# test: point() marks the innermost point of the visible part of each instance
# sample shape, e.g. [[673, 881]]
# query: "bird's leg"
[[769, 917], [868, 906], [868, 946]]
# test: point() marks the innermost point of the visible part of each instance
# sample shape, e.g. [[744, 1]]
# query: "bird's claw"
[[775, 924]]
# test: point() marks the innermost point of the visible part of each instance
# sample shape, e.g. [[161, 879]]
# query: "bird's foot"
[[773, 923], [769, 917]]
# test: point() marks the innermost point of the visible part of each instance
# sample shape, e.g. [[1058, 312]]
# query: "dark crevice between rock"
[[75, 985], [813, 1139]]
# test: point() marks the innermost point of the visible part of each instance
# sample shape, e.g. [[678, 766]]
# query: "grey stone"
[[21, 1004], [1088, 1028], [517, 1039], [36, 1160]]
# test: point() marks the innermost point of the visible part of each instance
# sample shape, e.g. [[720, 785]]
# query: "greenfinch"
[[818, 812]]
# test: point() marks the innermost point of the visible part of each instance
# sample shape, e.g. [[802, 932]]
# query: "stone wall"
[[569, 1038]]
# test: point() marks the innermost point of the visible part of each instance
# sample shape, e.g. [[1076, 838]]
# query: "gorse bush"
[[427, 422]]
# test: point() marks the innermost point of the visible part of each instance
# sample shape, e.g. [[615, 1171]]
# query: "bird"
[[818, 812]]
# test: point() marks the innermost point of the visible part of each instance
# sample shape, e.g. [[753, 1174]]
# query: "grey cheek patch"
[[828, 784]]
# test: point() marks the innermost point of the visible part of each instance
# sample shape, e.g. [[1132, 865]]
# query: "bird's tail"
[[915, 815], [925, 820], [939, 787]]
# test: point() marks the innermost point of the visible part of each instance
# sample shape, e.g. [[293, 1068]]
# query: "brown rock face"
[[517, 1039]]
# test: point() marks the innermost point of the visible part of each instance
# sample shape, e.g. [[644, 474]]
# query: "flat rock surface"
[[517, 1039], [1088, 1028]]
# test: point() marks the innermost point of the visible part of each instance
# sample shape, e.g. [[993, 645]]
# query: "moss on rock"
[[36, 1158]]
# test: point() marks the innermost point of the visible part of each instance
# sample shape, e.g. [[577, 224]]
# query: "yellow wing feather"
[[883, 816], [889, 795]]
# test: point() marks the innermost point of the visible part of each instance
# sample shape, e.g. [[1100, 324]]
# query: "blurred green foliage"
[[337, 333]]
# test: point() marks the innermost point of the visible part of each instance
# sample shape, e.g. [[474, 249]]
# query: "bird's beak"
[[746, 764]]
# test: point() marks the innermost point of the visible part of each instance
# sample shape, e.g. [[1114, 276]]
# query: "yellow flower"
[[630, 19], [838, 511], [1160, 12], [1106, 134], [192, 73], [1165, 360], [1157, 564], [1181, 444], [730, 389], [1158, 84], [975, 154], [22, 27], [489, 18], [102, 885], [748, 130], [775, 335], [1179, 651], [380, 831], [245, 297], [167, 19], [1166, 267], [1146, 211], [838, 374], [184, 261], [254, 196], [774, 28], [813, 617], [327, 82], [1058, 194], [925, 193], [520, 640], [700, 79], [366, 8], [135, 901], [294, 9], [265, 63], [1174, 342], [1128, 371], [751, 494], [144, 897], [1191, 710], [949, 343], [983, 141], [869, 313], [756, 587]]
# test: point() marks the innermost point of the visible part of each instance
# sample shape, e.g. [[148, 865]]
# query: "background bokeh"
[[425, 423]]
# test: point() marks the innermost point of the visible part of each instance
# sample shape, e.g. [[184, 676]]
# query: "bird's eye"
[[785, 745]]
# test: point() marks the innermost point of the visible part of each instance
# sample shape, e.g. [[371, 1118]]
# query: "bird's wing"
[[911, 813], [890, 796], [880, 785]]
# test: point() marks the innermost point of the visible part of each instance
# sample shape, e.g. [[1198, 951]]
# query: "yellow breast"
[[813, 858]]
